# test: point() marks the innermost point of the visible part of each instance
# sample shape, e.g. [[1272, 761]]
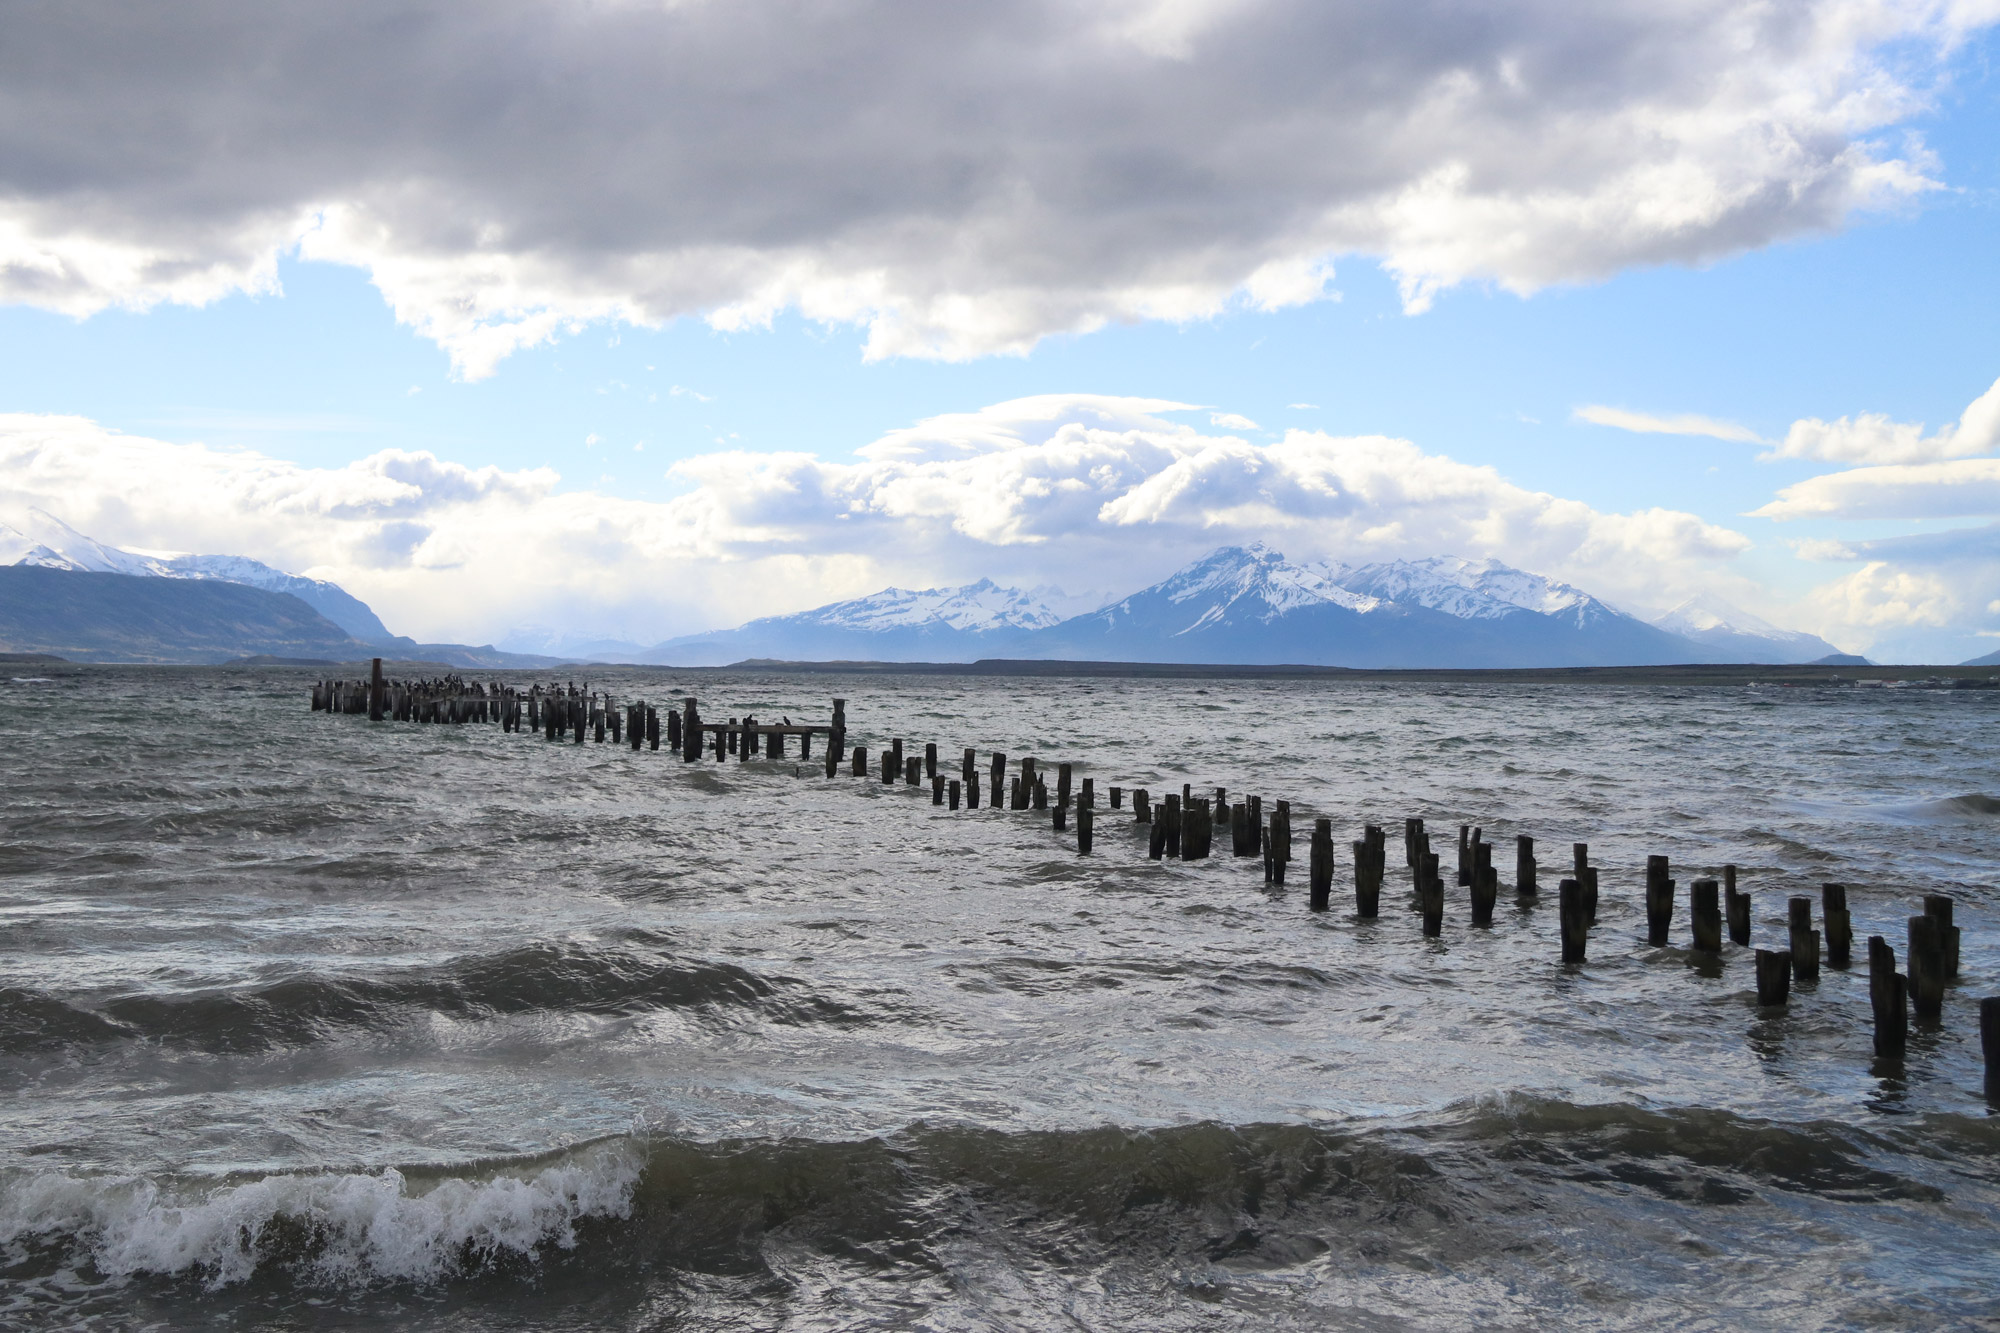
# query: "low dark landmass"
[[33, 659]]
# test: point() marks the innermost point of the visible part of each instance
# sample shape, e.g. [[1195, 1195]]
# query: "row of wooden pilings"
[[1182, 826]]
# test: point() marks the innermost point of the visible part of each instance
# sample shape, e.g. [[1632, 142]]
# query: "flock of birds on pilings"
[[1181, 826]]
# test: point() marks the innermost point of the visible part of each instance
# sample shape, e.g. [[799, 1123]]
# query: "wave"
[[561, 977], [323, 1228], [1972, 805], [1256, 1197]]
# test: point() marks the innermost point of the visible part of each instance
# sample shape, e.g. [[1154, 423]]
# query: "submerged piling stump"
[[1575, 924], [1774, 976], [1705, 915]]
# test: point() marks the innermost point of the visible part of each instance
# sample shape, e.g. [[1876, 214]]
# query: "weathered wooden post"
[[375, 691], [892, 766], [1579, 856], [1659, 900], [1590, 894], [1060, 818], [1063, 784], [1464, 855], [896, 749], [1431, 899], [1239, 828], [998, 772], [1926, 957], [690, 731], [1485, 882], [913, 772], [1837, 925], [1937, 906], [1889, 997], [1142, 806], [1738, 905], [1774, 976], [1319, 865], [930, 759], [858, 766], [1370, 865], [1705, 915], [653, 727], [971, 780], [953, 790], [1575, 924], [1524, 864], [1156, 840], [1804, 939], [1171, 819], [937, 790], [1117, 798], [1086, 818]]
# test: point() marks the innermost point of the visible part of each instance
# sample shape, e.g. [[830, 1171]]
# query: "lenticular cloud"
[[959, 179]]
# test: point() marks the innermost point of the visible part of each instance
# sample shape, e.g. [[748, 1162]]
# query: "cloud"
[[1685, 424], [1231, 421], [1874, 438], [1967, 487], [1049, 490], [959, 180]]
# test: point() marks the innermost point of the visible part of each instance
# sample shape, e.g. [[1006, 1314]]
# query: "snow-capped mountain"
[[1734, 635], [1468, 589], [1237, 604], [45, 540], [896, 624], [1251, 605]]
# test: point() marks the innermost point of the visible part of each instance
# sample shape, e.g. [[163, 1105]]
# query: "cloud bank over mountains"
[[1078, 491], [959, 179]]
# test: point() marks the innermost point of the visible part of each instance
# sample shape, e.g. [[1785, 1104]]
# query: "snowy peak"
[[974, 608], [1708, 619], [45, 540], [1253, 579], [1705, 611], [1468, 589]]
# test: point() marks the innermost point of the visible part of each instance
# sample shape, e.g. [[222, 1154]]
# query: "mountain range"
[[1240, 605], [1248, 605]]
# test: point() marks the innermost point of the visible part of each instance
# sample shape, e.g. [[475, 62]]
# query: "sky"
[[535, 321]]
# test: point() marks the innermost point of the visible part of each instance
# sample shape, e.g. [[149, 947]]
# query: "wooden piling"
[[375, 690], [1319, 866], [1659, 900], [998, 786], [930, 759], [1086, 819], [1370, 865], [1170, 822], [971, 781], [1590, 894], [952, 792], [1061, 817], [1926, 959], [1485, 887], [1063, 784], [1087, 794], [1117, 798], [1889, 997], [1524, 865], [1579, 859], [1431, 897], [1156, 840], [1239, 829], [1837, 925], [937, 790], [1705, 915], [1937, 906], [1142, 806], [1804, 939], [1738, 906], [892, 764], [859, 767], [913, 772], [1774, 976], [1464, 856], [1573, 921]]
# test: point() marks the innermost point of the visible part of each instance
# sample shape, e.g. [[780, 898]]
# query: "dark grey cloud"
[[964, 178]]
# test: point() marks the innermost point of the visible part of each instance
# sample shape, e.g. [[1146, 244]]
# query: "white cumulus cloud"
[[1872, 437], [959, 180]]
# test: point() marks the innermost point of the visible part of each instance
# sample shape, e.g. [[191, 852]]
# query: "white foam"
[[360, 1227]]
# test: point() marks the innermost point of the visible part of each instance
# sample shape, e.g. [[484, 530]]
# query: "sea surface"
[[313, 1023]]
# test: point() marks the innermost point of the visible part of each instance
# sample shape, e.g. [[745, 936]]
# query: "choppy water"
[[313, 1022]]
